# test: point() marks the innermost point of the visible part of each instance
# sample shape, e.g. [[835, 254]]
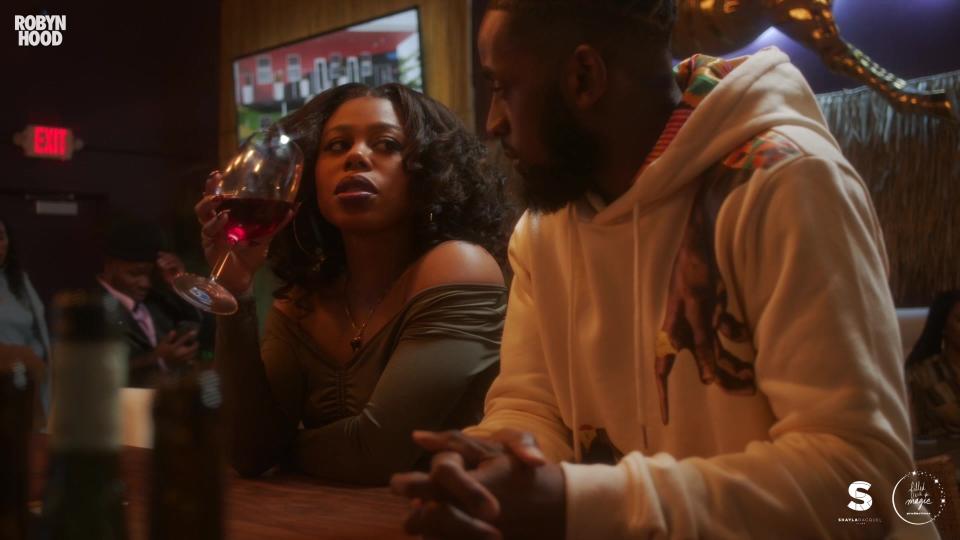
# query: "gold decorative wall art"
[[721, 26]]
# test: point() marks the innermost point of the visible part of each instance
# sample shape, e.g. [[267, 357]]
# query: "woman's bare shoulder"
[[453, 262]]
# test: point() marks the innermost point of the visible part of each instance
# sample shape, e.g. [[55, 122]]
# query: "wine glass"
[[258, 188]]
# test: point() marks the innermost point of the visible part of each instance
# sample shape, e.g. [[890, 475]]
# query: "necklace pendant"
[[355, 343]]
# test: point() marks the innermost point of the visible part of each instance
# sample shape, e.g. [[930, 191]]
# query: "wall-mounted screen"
[[271, 83]]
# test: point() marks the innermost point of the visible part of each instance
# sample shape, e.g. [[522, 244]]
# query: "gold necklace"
[[357, 341]]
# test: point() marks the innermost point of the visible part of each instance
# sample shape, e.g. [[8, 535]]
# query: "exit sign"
[[49, 142]]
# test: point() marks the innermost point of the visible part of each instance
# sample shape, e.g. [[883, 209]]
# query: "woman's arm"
[[263, 387], [43, 335]]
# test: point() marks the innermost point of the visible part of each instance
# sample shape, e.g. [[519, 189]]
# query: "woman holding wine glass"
[[391, 309]]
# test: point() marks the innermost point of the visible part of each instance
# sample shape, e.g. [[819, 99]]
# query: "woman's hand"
[[12, 354], [36, 368], [246, 257]]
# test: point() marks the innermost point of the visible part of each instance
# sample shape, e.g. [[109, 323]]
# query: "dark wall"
[[138, 84]]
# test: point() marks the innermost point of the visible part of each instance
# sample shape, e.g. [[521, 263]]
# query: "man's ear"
[[586, 77]]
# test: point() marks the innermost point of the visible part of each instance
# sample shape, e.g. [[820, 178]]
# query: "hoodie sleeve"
[[522, 396], [805, 252]]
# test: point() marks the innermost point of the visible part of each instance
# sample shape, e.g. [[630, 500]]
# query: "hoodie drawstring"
[[573, 240], [638, 367]]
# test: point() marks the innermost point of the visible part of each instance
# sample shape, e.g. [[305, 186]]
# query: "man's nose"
[[498, 125]]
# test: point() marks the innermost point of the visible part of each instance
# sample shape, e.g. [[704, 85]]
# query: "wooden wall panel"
[[251, 25]]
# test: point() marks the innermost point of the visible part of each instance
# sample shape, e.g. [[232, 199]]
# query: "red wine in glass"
[[250, 219], [257, 191]]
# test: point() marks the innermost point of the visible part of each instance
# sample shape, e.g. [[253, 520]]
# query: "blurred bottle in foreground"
[[16, 414], [186, 500], [84, 493]]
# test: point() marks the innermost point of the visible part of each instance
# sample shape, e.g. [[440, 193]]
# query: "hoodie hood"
[[732, 101]]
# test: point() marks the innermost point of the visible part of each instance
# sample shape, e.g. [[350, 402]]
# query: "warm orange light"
[[731, 6]]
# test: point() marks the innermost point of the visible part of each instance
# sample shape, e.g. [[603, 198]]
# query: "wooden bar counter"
[[277, 507]]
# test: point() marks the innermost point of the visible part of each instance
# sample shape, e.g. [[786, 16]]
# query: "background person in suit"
[[155, 345], [162, 296]]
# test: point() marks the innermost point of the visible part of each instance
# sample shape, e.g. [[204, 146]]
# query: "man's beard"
[[572, 160]]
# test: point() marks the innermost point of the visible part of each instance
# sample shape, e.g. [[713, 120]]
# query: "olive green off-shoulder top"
[[428, 368]]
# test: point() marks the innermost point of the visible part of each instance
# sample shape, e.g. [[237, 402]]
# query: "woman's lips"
[[355, 188]]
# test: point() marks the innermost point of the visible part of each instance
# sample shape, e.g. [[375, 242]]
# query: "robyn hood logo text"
[[39, 30]]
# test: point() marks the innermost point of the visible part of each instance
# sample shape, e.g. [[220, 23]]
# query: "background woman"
[[390, 315], [23, 329]]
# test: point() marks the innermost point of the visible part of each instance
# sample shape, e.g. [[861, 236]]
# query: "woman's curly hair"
[[451, 182]]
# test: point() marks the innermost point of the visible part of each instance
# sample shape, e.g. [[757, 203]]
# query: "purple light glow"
[[924, 30]]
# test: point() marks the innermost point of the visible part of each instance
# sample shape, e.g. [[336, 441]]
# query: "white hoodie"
[[800, 253]]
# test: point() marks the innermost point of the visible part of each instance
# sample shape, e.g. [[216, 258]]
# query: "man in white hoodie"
[[700, 340]]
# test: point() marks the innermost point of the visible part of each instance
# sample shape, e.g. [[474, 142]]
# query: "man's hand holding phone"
[[179, 347]]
